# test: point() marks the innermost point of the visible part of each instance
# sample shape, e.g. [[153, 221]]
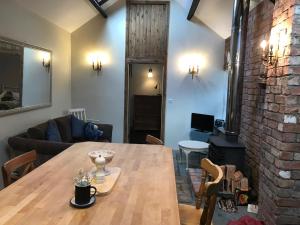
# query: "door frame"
[[128, 71], [145, 60]]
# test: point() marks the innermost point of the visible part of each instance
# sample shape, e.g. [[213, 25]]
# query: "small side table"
[[189, 146]]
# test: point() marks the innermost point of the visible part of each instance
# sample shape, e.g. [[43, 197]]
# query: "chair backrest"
[[25, 160], [78, 113], [208, 189], [153, 140]]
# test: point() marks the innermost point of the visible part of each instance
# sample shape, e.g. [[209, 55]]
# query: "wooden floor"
[[145, 193]]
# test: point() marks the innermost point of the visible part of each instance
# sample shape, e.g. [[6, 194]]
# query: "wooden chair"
[[78, 113], [24, 162], [191, 215], [153, 140]]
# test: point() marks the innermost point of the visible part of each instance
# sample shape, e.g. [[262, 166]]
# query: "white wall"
[[19, 24], [204, 94], [36, 79], [101, 94]]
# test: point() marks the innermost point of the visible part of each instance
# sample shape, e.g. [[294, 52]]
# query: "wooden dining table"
[[145, 193]]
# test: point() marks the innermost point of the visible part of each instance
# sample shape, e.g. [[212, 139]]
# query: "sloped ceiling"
[[72, 14], [216, 14], [67, 14]]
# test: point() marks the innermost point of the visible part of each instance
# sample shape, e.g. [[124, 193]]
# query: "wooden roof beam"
[[193, 9], [97, 5], [102, 2]]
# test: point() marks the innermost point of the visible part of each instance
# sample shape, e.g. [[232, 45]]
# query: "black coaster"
[[73, 203]]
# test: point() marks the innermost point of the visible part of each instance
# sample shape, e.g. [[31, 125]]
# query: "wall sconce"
[[150, 73], [191, 63], [97, 66], [272, 48], [97, 60], [46, 60], [46, 63], [269, 56], [193, 70]]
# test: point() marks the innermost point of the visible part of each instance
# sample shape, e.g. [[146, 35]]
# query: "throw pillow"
[[92, 133], [64, 127], [53, 132], [77, 128]]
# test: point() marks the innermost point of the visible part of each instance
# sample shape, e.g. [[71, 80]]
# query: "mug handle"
[[95, 191]]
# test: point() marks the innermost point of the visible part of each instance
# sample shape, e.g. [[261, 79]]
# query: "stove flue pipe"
[[236, 66]]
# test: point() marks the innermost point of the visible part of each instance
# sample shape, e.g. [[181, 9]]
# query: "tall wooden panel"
[[146, 42], [147, 30]]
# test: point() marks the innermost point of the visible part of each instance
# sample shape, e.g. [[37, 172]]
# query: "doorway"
[[147, 29], [145, 101]]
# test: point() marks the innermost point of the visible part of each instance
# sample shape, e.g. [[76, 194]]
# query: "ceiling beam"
[[102, 2], [97, 5], [193, 8]]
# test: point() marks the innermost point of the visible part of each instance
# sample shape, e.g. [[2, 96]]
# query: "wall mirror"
[[25, 77]]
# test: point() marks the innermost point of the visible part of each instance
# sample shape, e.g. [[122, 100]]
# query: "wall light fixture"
[[97, 60], [269, 55], [193, 70], [275, 47], [46, 60], [97, 65], [192, 63]]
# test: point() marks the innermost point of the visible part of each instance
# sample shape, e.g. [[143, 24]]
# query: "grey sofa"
[[35, 138]]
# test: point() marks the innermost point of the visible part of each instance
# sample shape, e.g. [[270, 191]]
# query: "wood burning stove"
[[224, 152], [225, 148]]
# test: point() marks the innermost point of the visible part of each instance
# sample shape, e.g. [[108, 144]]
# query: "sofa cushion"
[[53, 132], [91, 132], [38, 132], [77, 128], [64, 126]]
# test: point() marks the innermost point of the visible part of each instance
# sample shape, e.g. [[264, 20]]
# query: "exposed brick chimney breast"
[[270, 123]]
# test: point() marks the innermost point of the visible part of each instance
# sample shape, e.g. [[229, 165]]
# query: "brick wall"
[[259, 27], [270, 125]]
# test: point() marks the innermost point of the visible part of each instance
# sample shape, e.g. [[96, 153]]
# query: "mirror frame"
[[34, 107]]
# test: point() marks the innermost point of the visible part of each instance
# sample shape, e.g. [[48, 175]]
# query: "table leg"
[[180, 155], [187, 159]]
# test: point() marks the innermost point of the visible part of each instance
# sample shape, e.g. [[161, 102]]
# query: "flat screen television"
[[202, 122]]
